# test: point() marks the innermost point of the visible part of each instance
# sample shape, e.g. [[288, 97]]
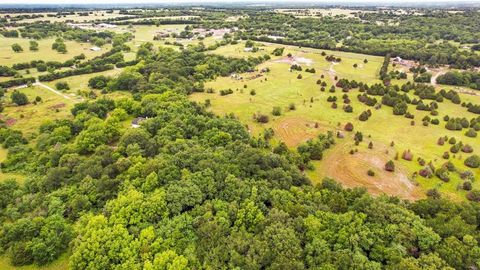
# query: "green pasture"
[[45, 52], [280, 87], [28, 118]]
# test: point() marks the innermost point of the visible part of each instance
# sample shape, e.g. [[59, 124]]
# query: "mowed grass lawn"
[[280, 87], [8, 57]]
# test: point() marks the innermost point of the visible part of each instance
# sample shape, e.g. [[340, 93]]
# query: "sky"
[[333, 2]]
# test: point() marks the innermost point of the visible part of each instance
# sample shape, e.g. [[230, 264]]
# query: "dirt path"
[[351, 171], [37, 83], [433, 80], [331, 72]]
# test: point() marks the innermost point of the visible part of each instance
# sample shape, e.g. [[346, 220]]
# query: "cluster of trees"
[[100, 63], [313, 148], [466, 78], [421, 38], [42, 66], [59, 46], [16, 82]]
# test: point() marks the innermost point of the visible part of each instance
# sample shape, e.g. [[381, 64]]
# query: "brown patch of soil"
[[10, 122], [351, 171], [293, 131], [58, 106]]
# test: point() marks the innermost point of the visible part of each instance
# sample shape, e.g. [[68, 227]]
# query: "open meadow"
[[258, 92]]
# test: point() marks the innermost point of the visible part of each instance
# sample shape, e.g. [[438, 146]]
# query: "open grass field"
[[80, 82], [94, 15], [28, 118], [45, 52], [280, 87]]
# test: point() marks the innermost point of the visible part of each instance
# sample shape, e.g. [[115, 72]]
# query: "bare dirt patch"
[[293, 131], [351, 171], [58, 106], [295, 60]]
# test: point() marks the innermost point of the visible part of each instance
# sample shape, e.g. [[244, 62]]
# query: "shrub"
[[452, 140], [446, 155], [262, 118], [441, 141], [433, 193], [292, 107], [370, 173], [467, 175], [455, 148], [443, 174], [17, 48], [426, 172], [390, 166], [407, 155], [276, 111], [19, 98], [471, 133], [474, 195], [62, 86], [226, 92], [467, 148], [472, 161], [348, 127], [252, 92], [467, 185]]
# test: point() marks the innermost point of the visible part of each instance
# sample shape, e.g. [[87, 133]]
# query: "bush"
[[262, 118], [276, 111], [407, 155], [370, 173], [348, 127], [433, 193], [292, 107], [98, 82], [471, 133], [226, 92], [443, 174], [467, 148], [472, 161], [62, 86], [474, 195], [17, 48], [19, 98], [467, 185], [441, 141], [426, 172], [390, 166]]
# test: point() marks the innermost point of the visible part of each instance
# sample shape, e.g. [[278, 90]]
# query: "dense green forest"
[[424, 38], [192, 190]]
